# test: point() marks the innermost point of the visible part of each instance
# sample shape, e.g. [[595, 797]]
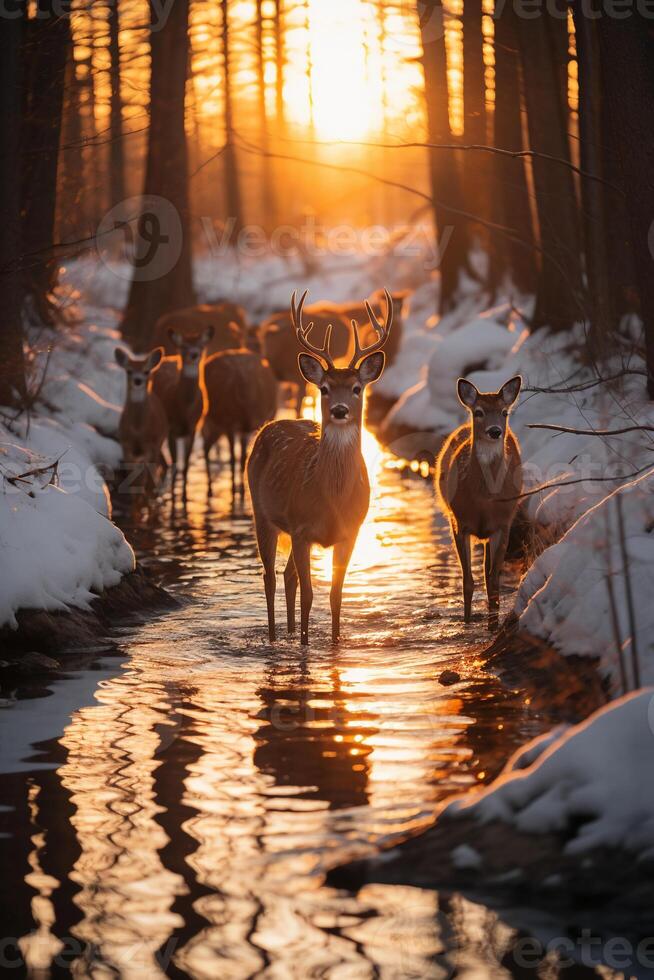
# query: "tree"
[[12, 368], [627, 55], [509, 194], [166, 177], [445, 179], [230, 162], [46, 42], [475, 164], [592, 191], [559, 294], [116, 151], [267, 189]]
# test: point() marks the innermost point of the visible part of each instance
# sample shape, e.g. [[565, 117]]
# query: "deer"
[[280, 345], [177, 385], [240, 395], [478, 479], [228, 320], [143, 424], [310, 480]]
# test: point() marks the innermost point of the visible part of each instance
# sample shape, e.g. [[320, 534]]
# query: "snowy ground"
[[56, 535], [591, 784], [575, 595]]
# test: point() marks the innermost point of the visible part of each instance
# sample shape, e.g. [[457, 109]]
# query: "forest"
[[326, 510]]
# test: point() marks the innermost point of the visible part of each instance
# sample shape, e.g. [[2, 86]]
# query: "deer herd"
[[213, 373]]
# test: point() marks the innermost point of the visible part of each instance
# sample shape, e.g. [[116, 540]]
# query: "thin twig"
[[628, 591], [590, 432], [585, 385], [583, 479]]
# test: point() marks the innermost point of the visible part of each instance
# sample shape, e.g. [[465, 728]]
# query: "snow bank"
[[593, 784], [565, 597], [57, 550], [430, 362], [55, 535]]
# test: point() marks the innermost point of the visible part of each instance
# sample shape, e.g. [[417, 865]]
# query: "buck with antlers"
[[310, 481]]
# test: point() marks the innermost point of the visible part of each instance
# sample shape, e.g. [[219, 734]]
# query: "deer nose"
[[340, 412], [494, 432]]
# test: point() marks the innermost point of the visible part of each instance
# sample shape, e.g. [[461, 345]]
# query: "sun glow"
[[360, 71]]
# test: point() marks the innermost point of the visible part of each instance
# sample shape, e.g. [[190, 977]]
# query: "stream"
[[170, 811]]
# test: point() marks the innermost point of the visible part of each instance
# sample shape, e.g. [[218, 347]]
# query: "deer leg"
[[290, 585], [209, 437], [302, 558], [495, 549], [342, 555], [232, 458], [244, 458], [172, 449], [188, 449], [267, 543], [462, 542]]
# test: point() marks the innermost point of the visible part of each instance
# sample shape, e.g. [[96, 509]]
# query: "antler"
[[302, 333], [382, 331]]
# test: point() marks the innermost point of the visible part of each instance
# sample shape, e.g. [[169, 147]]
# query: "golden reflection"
[[214, 779]]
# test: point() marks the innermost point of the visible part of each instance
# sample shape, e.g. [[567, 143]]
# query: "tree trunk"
[[559, 300], [46, 44], [116, 149], [12, 368], [510, 205], [162, 277], [627, 52], [475, 164], [445, 179], [592, 192], [230, 162], [267, 189]]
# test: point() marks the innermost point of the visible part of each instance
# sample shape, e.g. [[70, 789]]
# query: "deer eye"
[[505, 413], [356, 390], [324, 390], [478, 413]]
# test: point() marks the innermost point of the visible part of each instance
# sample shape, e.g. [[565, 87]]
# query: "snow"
[[55, 532], [580, 786], [60, 551], [564, 597]]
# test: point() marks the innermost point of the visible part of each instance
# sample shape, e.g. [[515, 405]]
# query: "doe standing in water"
[[478, 477], [310, 481]]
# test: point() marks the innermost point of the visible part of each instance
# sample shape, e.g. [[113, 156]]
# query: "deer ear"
[[153, 360], [467, 393], [371, 367], [311, 369], [511, 390], [121, 357]]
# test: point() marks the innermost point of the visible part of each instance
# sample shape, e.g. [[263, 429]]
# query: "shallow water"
[[170, 812]]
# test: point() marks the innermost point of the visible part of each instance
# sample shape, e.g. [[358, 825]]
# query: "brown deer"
[[478, 477], [310, 481], [240, 395], [143, 424], [281, 347], [177, 385], [228, 320]]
